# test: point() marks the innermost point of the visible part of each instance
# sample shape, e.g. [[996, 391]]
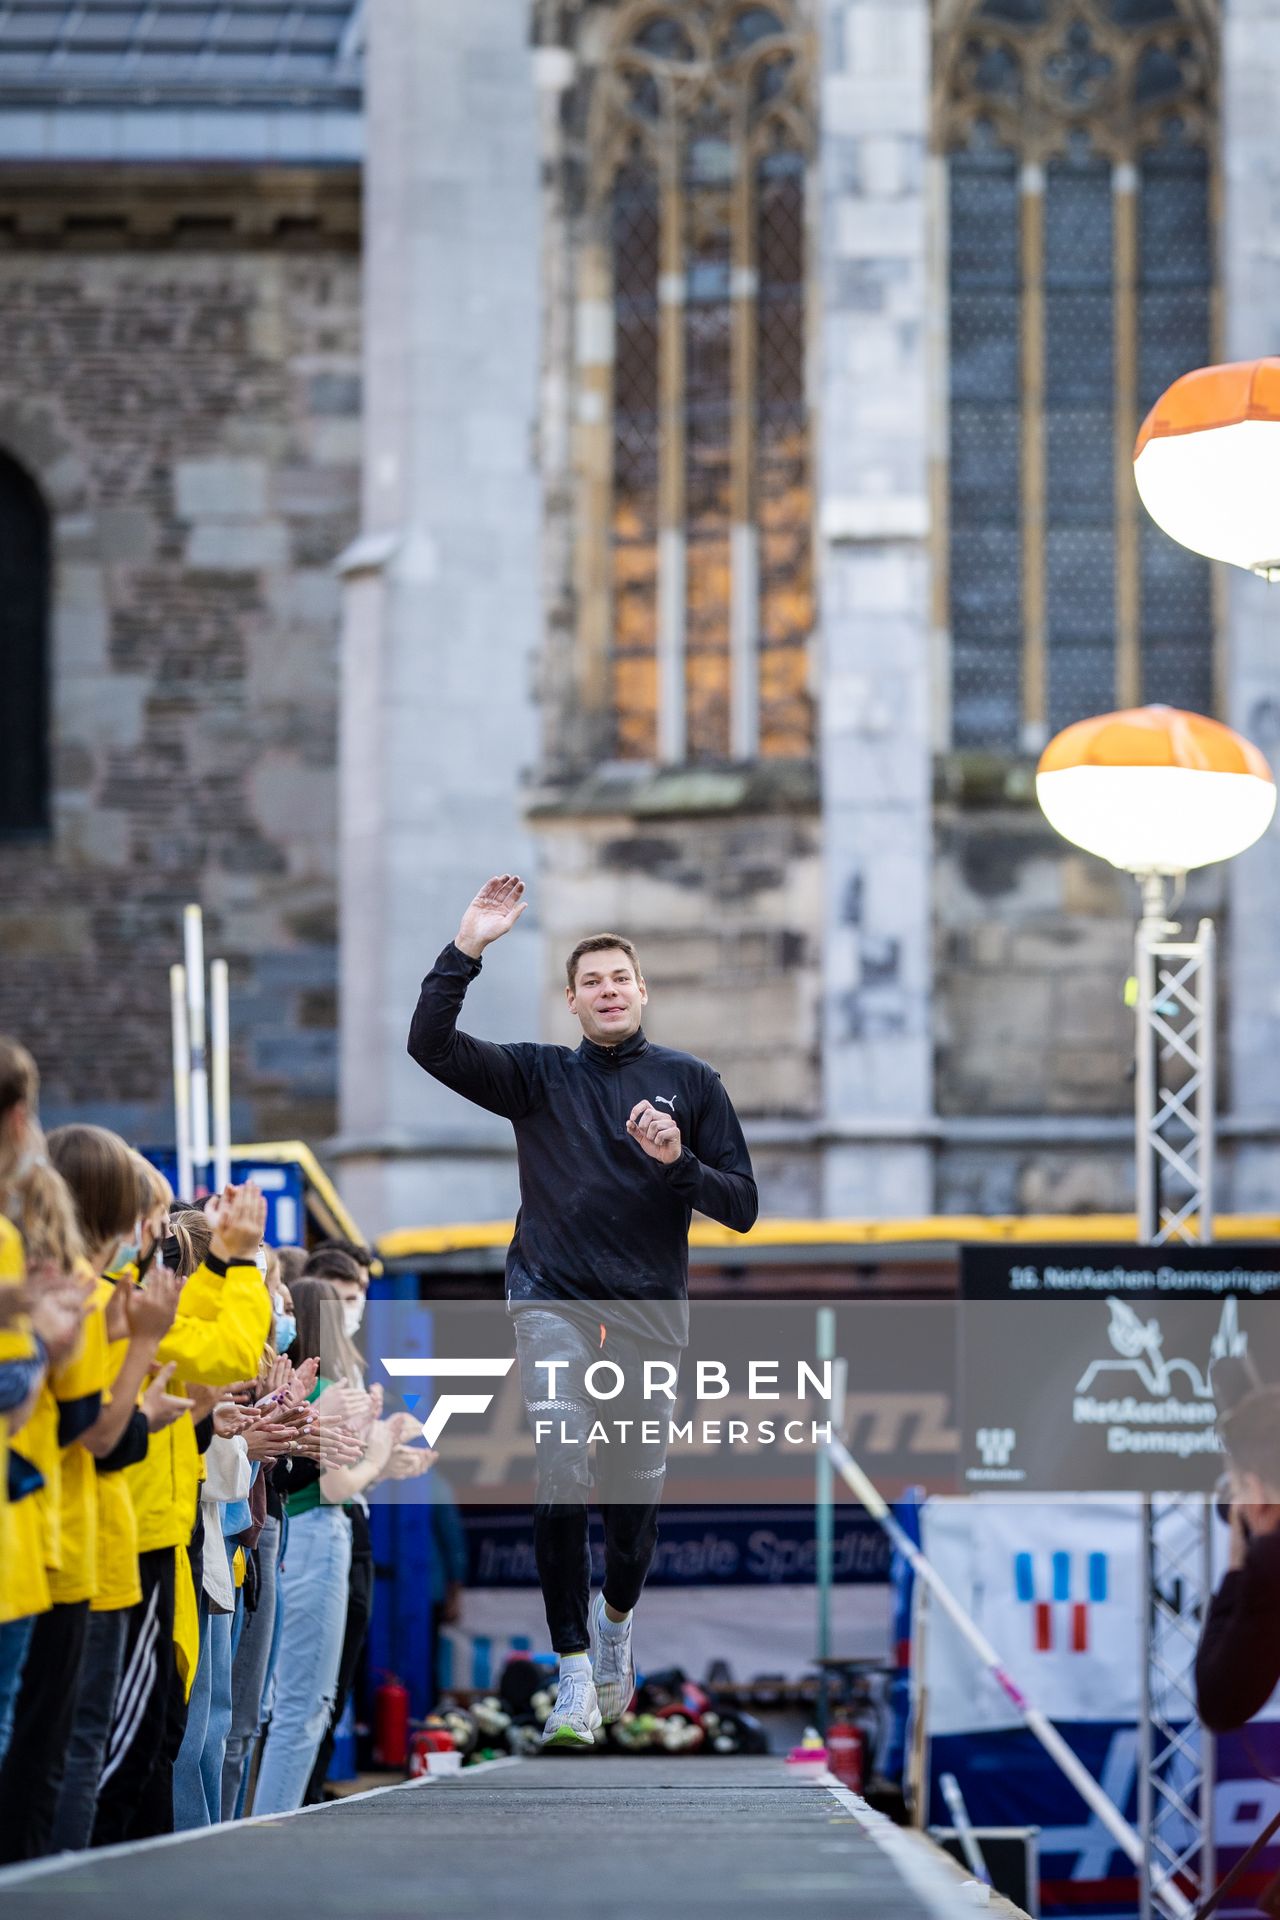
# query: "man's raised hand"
[[493, 912], [656, 1132]]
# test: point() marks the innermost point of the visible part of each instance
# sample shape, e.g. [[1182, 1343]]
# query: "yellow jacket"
[[224, 1318], [78, 1386], [24, 1584], [118, 1584]]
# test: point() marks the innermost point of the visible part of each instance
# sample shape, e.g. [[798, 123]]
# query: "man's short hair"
[[330, 1263], [1251, 1434], [599, 943], [354, 1249]]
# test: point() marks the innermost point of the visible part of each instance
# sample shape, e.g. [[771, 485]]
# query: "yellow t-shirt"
[[16, 1342], [118, 1583], [37, 1444], [78, 1386], [224, 1318], [14, 1347], [24, 1585]]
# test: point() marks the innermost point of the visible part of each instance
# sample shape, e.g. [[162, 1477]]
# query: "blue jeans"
[[15, 1638], [313, 1580], [273, 1662], [197, 1772], [249, 1672]]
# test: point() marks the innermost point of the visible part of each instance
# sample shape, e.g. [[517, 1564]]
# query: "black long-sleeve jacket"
[[1238, 1660], [599, 1220]]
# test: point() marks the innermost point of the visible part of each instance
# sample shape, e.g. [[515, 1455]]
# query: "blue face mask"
[[286, 1331]]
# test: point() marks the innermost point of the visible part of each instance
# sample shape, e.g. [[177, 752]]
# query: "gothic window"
[[24, 619], [699, 143], [1079, 142]]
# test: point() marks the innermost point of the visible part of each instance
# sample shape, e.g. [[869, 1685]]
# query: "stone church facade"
[[676, 450]]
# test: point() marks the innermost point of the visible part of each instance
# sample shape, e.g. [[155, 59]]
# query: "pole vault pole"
[[1046, 1733], [824, 1515], [181, 1079], [193, 944], [220, 1071]]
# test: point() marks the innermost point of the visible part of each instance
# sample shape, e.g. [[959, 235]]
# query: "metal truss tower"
[[1176, 1065], [1176, 1004]]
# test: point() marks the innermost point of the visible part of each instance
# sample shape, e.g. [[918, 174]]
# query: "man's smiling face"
[[608, 997]]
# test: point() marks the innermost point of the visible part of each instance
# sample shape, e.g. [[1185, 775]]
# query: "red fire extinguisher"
[[845, 1746], [390, 1723]]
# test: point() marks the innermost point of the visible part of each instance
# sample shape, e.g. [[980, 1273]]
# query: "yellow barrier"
[[938, 1228], [322, 1196]]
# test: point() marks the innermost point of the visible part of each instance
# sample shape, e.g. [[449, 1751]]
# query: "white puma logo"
[[663, 1101]]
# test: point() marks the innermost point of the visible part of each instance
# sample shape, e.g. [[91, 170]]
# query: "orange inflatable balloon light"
[[1155, 789], [1207, 463]]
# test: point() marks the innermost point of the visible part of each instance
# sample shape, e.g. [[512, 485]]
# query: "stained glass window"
[[704, 138], [1174, 333], [1078, 140], [986, 564], [1079, 445], [708, 402], [634, 251], [782, 458]]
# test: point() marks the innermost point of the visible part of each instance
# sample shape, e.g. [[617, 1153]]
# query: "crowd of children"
[[186, 1442]]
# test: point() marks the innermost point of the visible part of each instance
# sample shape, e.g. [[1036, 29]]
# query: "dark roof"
[[181, 52]]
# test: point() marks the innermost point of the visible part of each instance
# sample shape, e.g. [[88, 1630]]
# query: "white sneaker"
[[575, 1717], [612, 1667]]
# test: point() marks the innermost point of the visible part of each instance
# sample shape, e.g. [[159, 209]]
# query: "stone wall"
[[1034, 945], [724, 915], [192, 418], [1034, 1042]]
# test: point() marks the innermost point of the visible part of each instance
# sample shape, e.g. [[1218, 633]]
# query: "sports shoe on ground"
[[612, 1667], [575, 1717]]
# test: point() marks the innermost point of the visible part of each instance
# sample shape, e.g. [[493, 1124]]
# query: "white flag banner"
[[1056, 1588]]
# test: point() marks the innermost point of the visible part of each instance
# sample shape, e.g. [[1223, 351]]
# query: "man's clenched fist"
[[656, 1132]]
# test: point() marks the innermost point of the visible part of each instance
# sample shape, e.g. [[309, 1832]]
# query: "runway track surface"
[[559, 1837]]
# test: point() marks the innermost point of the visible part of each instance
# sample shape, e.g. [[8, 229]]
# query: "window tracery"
[[1079, 137], [698, 142]]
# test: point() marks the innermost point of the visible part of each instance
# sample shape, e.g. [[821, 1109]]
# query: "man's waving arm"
[[498, 1078], [717, 1180]]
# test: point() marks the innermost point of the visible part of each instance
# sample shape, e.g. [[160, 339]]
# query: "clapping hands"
[[161, 1407], [238, 1216], [60, 1305]]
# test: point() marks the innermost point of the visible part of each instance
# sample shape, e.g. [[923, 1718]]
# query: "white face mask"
[[352, 1315]]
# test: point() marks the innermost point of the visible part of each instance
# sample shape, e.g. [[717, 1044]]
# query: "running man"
[[617, 1141]]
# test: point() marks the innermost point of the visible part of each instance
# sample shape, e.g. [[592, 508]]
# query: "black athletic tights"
[[629, 1475]]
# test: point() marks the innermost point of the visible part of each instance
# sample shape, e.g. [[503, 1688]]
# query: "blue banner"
[[697, 1547], [1008, 1780]]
